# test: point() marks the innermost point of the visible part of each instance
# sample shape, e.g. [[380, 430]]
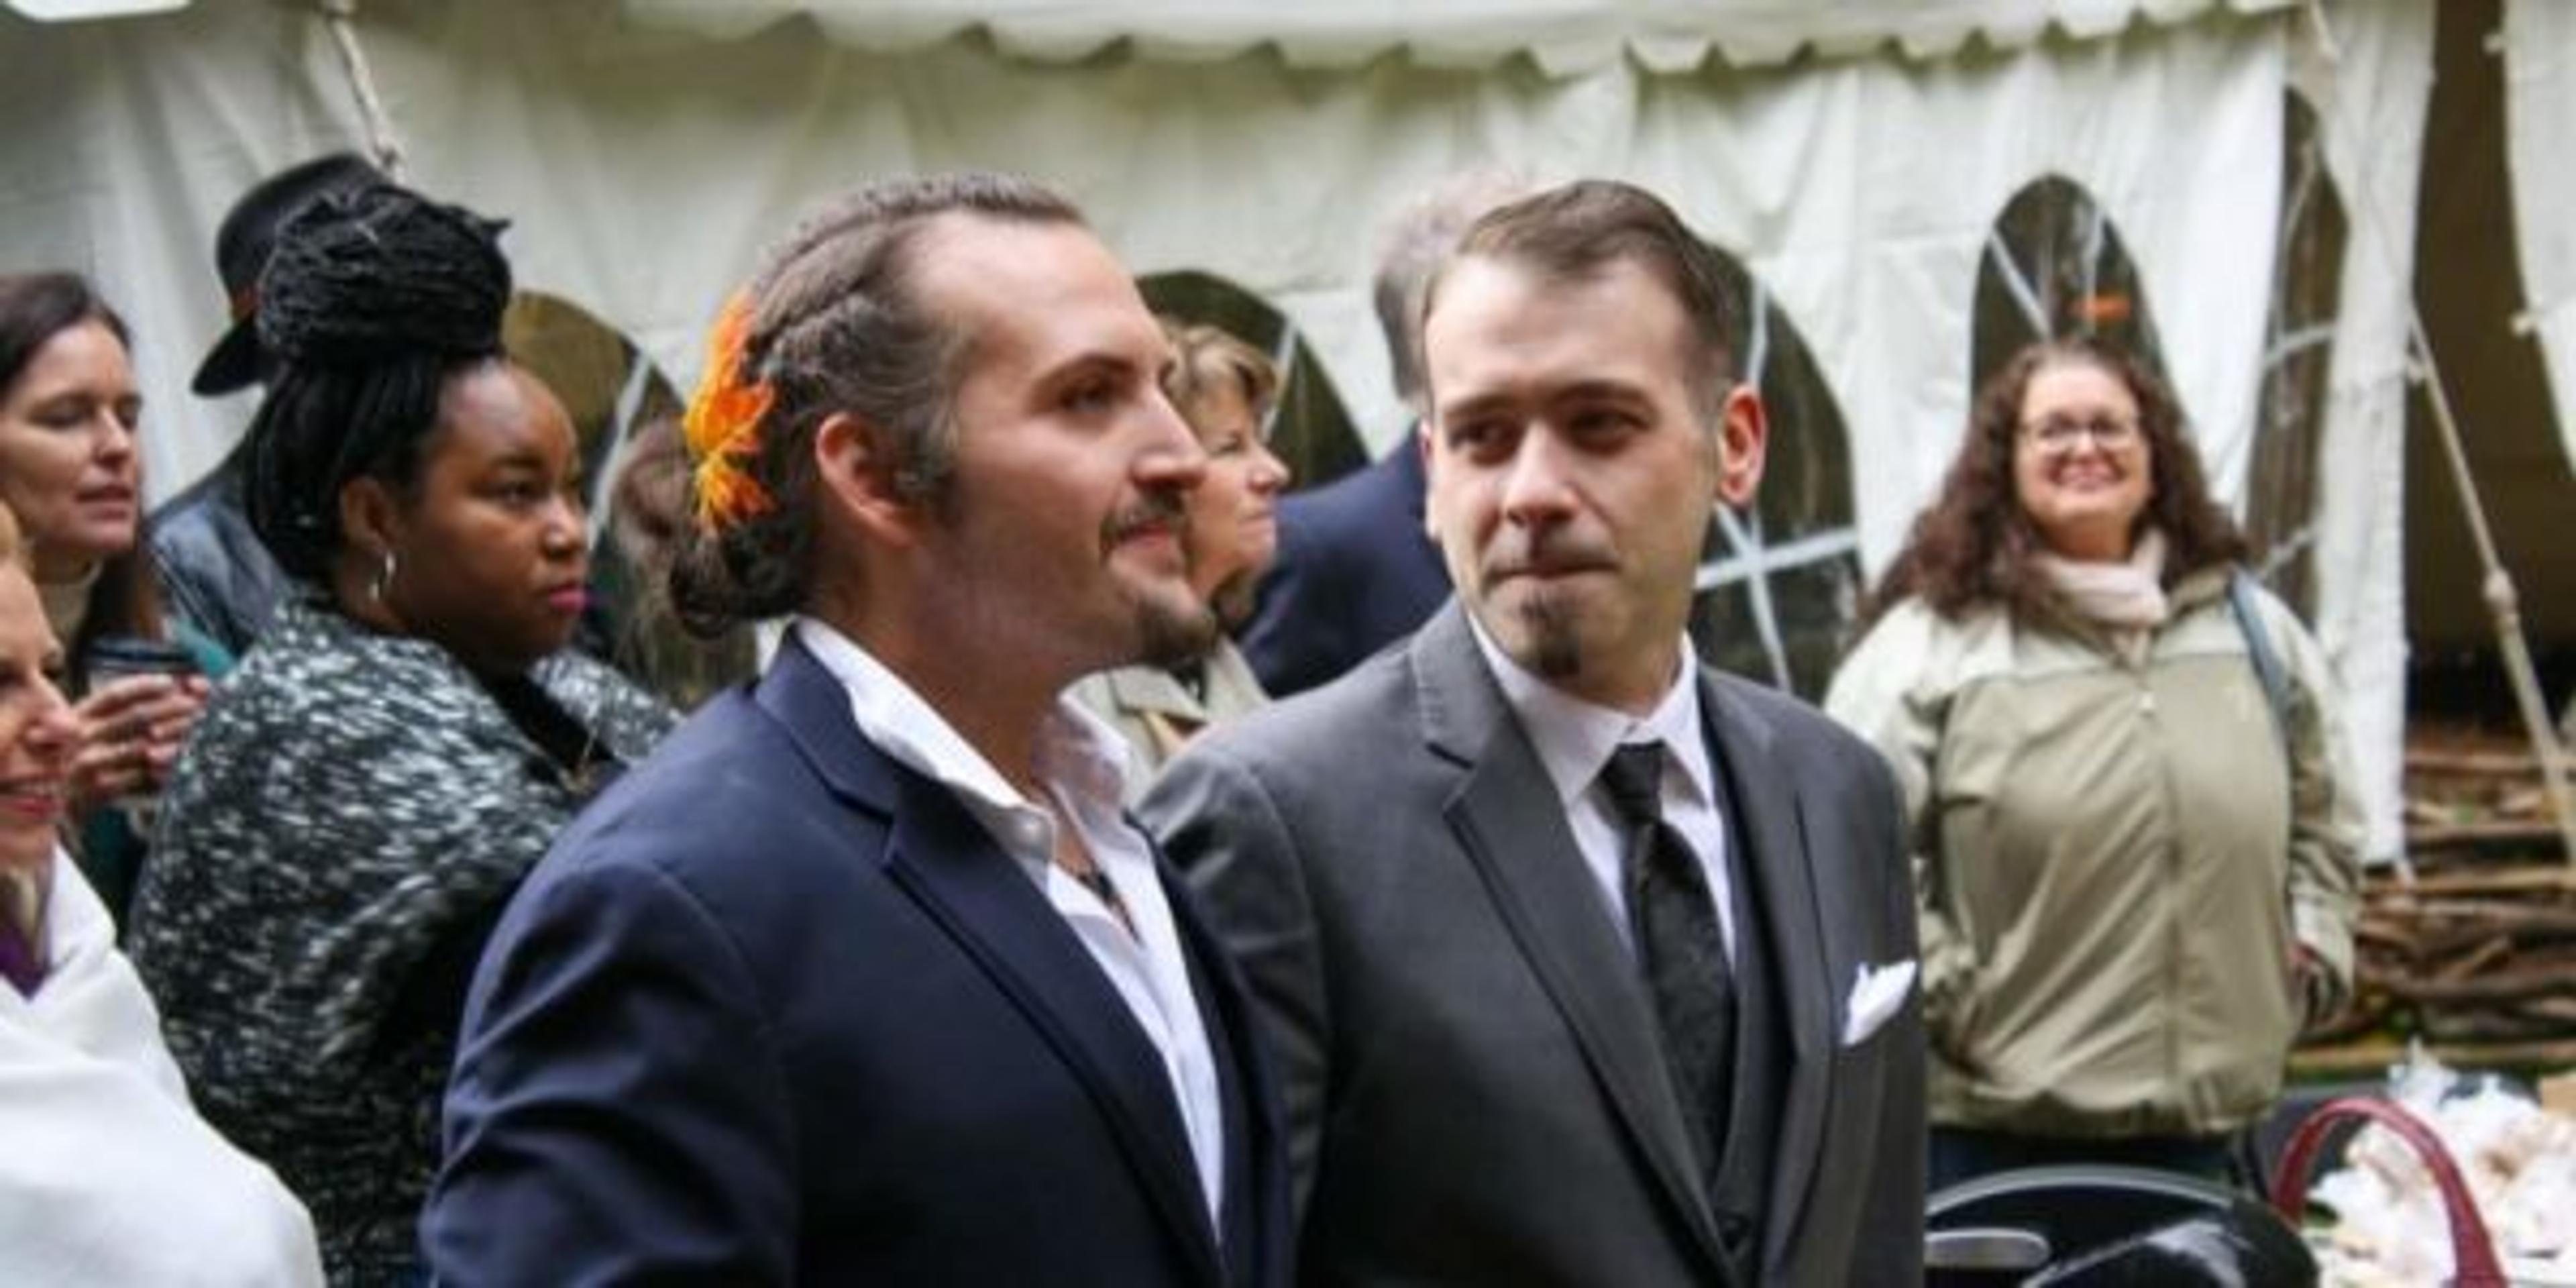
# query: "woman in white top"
[[107, 1175]]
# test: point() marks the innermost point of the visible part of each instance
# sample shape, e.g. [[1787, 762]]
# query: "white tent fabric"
[[1563, 37], [645, 170], [646, 163], [78, 10], [2540, 102], [121, 144], [2370, 96]]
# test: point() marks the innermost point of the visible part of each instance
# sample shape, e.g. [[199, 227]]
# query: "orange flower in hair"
[[722, 428]]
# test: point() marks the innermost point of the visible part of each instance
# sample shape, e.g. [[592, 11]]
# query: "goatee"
[[1552, 638], [1173, 632]]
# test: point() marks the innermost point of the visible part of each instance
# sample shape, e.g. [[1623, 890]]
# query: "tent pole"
[[341, 17], [2504, 604]]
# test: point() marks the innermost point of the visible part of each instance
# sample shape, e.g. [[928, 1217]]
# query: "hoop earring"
[[383, 580]]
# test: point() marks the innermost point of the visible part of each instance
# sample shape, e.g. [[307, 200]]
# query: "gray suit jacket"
[[1474, 1090]]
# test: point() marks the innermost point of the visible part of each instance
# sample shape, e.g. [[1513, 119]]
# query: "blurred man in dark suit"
[[1355, 571], [218, 576]]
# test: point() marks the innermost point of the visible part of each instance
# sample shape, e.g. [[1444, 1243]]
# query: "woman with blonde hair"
[[109, 1176], [1227, 392]]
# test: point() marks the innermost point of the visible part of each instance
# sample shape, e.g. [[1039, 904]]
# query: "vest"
[[1740, 1191]]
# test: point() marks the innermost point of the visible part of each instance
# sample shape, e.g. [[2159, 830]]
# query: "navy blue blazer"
[[1355, 572], [776, 1009]]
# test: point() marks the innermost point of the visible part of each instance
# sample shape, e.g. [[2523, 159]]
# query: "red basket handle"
[[2473, 1257]]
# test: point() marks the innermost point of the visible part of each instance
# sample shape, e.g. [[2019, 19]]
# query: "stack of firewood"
[[2472, 947], [2465, 800]]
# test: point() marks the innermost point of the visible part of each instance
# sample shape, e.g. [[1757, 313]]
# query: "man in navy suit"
[[865, 977], [1355, 570]]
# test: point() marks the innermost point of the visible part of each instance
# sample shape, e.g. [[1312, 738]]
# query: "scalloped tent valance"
[[1563, 37], [77, 10]]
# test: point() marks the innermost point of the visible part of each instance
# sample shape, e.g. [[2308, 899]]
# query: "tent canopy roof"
[[1563, 37]]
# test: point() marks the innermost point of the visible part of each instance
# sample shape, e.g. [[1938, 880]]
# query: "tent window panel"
[[626, 415], [2307, 289], [2055, 268], [1310, 430], [1787, 627], [1778, 582], [607, 385]]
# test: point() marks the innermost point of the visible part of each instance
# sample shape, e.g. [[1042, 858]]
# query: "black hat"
[[242, 245]]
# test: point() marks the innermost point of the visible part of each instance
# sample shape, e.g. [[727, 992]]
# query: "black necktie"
[[1680, 947]]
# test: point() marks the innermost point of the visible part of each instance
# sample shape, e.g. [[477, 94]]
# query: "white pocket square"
[[1878, 993]]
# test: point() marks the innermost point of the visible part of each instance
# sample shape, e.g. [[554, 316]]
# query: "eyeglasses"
[[2056, 435]]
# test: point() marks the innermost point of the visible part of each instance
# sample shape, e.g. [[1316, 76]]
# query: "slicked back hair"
[[1414, 243], [1578, 231], [838, 326]]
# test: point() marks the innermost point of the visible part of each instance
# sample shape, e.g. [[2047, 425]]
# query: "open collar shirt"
[[1082, 762]]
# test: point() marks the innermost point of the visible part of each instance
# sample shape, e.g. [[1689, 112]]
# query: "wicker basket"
[[2473, 1255]]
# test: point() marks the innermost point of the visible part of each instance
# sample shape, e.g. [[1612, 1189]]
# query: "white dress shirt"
[[1575, 738], [1082, 762]]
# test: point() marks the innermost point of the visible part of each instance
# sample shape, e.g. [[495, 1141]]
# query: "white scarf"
[[2126, 598], [22, 903], [67, 603], [107, 1175]]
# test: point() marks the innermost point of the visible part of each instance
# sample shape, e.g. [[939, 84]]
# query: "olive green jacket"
[[2115, 862]]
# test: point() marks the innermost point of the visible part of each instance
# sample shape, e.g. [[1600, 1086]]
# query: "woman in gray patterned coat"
[[367, 789]]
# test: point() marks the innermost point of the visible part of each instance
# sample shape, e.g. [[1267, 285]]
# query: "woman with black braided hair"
[[365, 792]]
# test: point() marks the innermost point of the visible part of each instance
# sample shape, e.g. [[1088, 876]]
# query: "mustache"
[[1165, 510], [1550, 554]]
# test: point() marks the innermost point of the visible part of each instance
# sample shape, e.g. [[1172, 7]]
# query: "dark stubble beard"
[[1173, 626], [1174, 630]]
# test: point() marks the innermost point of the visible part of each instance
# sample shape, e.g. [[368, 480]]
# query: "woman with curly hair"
[[2134, 851]]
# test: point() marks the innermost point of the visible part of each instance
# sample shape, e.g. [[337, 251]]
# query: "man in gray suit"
[[1587, 965]]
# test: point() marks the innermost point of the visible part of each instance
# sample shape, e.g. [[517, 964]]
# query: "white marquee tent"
[[1853, 155]]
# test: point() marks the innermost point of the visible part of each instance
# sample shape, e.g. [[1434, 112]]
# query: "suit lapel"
[[944, 858], [1003, 921], [1255, 1206], [1784, 881], [1506, 815]]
